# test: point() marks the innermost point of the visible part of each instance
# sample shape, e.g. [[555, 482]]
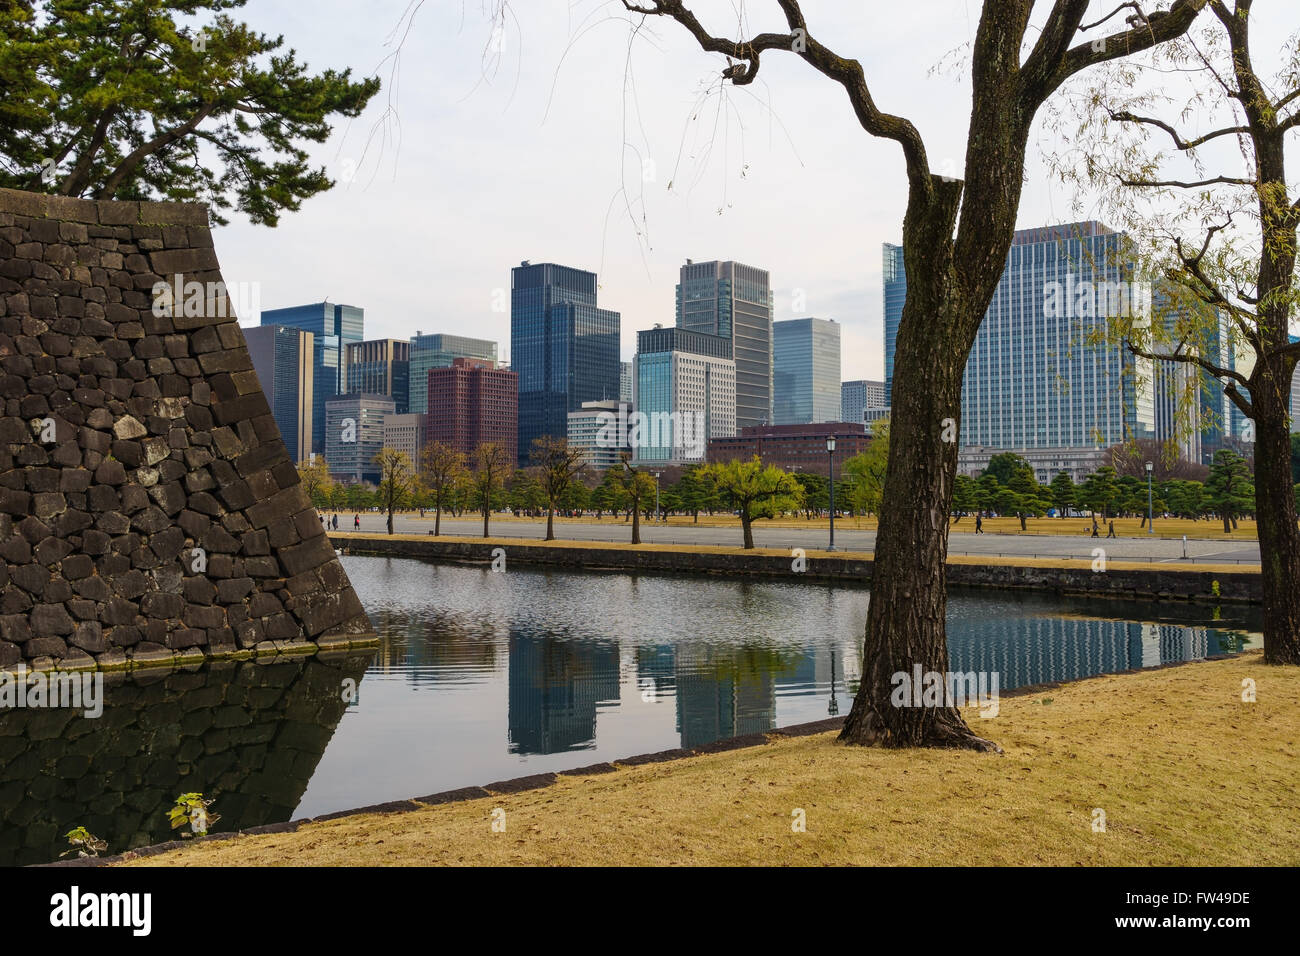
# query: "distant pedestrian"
[[356, 522], [1111, 533], [336, 521], [979, 525], [322, 521]]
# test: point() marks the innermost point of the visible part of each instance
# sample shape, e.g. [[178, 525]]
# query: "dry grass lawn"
[[1185, 771]]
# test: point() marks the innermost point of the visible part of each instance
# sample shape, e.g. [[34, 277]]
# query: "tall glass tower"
[[333, 328], [734, 301], [564, 349], [438, 350], [895, 279], [806, 371]]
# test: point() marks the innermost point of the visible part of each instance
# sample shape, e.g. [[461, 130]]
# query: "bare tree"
[[491, 465], [1223, 238], [559, 466], [442, 467], [953, 266], [396, 480]]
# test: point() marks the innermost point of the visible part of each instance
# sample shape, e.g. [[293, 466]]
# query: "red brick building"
[[794, 447], [471, 402]]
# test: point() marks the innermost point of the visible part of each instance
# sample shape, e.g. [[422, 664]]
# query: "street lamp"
[[830, 455], [1150, 530], [657, 474]]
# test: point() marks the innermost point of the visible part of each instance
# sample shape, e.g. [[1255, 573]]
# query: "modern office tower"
[[354, 435], [895, 294], [556, 689], [472, 402], [625, 382], [379, 367], [405, 433], [600, 430], [684, 390], [858, 396], [1041, 379], [437, 350], [564, 349], [333, 327], [805, 371], [734, 301], [283, 360]]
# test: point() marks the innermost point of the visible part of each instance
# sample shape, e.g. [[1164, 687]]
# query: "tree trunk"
[[1227, 522], [1275, 521], [486, 511], [747, 526], [390, 520], [1022, 522], [550, 522], [636, 523], [437, 520]]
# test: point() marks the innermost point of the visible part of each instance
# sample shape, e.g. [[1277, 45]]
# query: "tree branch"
[[1179, 142]]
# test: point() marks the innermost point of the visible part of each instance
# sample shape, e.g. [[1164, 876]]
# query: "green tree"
[[316, 481], [637, 487], [964, 500], [1029, 495], [396, 480], [441, 468], [756, 491], [816, 492], [1230, 491], [1005, 464], [867, 470], [164, 99], [1100, 491], [987, 490], [1061, 492]]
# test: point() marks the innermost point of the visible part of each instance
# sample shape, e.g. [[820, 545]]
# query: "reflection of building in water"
[[656, 669], [444, 649], [725, 692], [1034, 650], [555, 688]]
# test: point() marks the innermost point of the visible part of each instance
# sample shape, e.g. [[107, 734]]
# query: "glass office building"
[[283, 360], [564, 348], [382, 367], [438, 350], [1042, 374], [806, 371], [895, 294], [333, 328], [858, 396], [684, 389], [354, 428], [734, 301]]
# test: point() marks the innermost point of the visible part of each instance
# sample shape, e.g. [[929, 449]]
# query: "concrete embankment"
[[1211, 584]]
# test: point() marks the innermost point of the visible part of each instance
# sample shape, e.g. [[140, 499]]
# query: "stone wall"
[[147, 503], [1160, 582]]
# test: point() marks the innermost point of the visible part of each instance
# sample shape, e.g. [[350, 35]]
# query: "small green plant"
[[84, 843], [192, 809], [1214, 588], [1046, 701]]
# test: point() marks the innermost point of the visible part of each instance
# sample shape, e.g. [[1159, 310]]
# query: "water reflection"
[[483, 676], [248, 734]]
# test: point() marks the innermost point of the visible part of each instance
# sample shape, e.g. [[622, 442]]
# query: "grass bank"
[[1186, 773]]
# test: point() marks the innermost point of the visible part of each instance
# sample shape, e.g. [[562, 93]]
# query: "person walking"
[[1111, 532], [1094, 527], [336, 521], [979, 524], [356, 522]]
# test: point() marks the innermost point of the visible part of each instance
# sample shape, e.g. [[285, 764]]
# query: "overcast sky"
[[529, 162]]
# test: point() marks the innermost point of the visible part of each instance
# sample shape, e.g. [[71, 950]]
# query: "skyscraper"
[[283, 360], [895, 294], [471, 402], [381, 367], [437, 350], [333, 327], [805, 371], [564, 348], [734, 301], [859, 395], [684, 386], [625, 382], [354, 430]]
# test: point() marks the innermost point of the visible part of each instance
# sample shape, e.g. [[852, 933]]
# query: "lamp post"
[[1150, 530], [657, 474], [830, 455]]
